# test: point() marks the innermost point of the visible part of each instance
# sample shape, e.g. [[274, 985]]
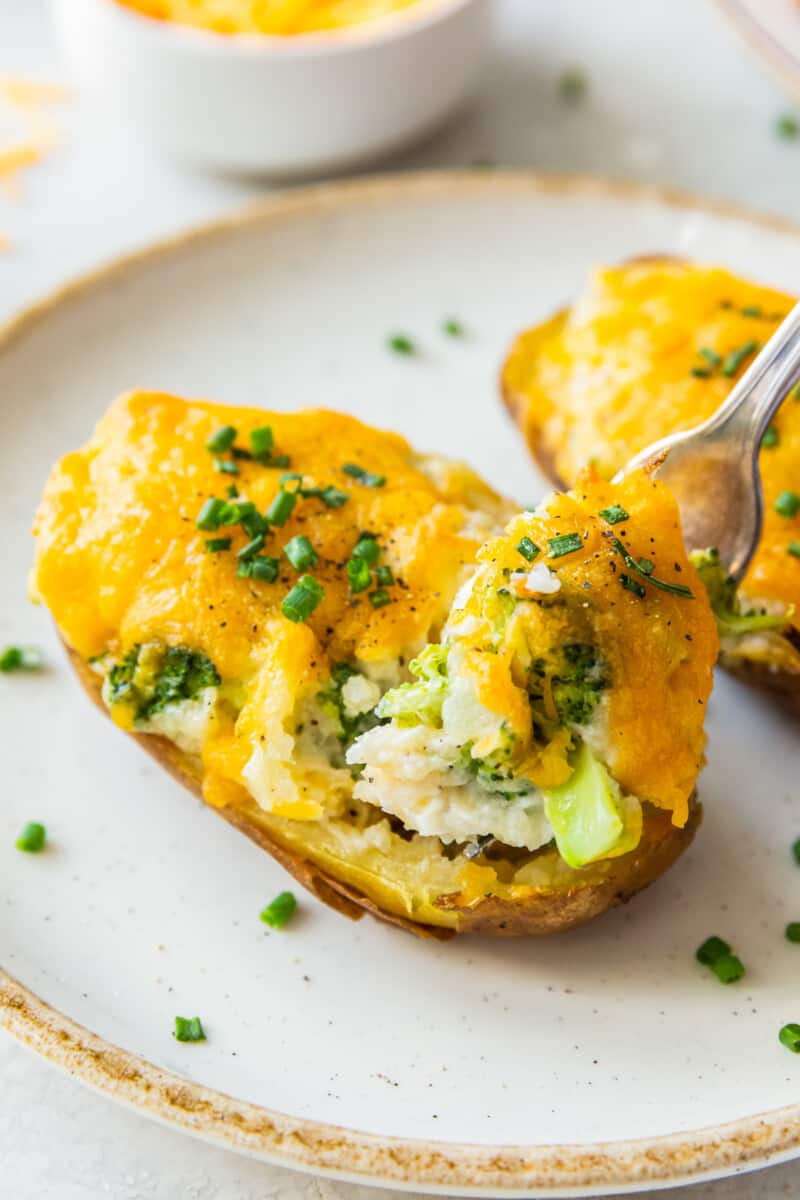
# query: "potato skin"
[[783, 683], [543, 912]]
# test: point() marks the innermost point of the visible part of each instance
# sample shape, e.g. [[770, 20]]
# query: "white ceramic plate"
[[602, 1060], [771, 29]]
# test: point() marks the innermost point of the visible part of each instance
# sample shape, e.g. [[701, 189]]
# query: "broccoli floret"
[[421, 702], [152, 676], [331, 701], [725, 601], [578, 684]]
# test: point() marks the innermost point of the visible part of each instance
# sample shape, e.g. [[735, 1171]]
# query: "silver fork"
[[713, 469]]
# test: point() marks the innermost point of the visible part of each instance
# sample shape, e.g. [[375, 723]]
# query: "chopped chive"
[[796, 850], [232, 491], [211, 514], [712, 949], [728, 968], [564, 543], [20, 658], [752, 310], [644, 568], [711, 356], [277, 460], [253, 523], [32, 838], [281, 508], [632, 585], [362, 476], [240, 452], [367, 548], [614, 514], [279, 911], [252, 548], [225, 467], [189, 1029], [453, 328], [302, 599], [222, 440], [358, 574], [384, 576], [260, 567], [792, 931], [787, 126], [789, 1037], [736, 357], [528, 548], [379, 598], [217, 545], [572, 85], [401, 344], [300, 553], [701, 372], [261, 441], [787, 504], [771, 438], [793, 548], [331, 497]]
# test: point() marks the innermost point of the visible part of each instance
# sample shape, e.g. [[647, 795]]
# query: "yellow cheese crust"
[[623, 367]]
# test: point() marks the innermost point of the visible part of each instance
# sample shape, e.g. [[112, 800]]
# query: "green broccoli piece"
[[725, 602], [421, 702], [578, 685], [150, 677]]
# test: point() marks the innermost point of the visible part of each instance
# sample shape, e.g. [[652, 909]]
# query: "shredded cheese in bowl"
[[280, 18]]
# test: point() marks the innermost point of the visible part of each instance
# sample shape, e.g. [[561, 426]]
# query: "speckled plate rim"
[[781, 63], [404, 1163]]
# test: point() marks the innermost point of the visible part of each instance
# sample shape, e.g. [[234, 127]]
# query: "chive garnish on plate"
[[279, 911], [787, 126], [261, 441], [793, 548], [564, 543], [401, 343], [715, 953], [452, 328], [189, 1029], [384, 576], [217, 545], [367, 548], [792, 931], [633, 585], [331, 497], [572, 85], [32, 838], [771, 438], [712, 358], [212, 514], [20, 658], [528, 548], [251, 548], [304, 597], [789, 1036], [379, 598], [225, 467]]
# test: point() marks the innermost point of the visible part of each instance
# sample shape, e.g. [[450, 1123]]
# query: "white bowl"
[[287, 105]]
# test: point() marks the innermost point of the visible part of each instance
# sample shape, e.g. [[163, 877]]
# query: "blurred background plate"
[[600, 1061], [771, 29]]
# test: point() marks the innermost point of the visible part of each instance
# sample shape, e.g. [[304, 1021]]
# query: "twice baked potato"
[[653, 347], [264, 601]]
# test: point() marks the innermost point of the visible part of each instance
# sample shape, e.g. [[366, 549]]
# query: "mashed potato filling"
[[563, 675]]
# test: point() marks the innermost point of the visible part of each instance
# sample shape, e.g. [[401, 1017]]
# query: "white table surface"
[[673, 99]]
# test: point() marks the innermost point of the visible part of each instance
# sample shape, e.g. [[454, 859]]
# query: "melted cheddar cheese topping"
[[121, 563], [275, 17], [653, 348]]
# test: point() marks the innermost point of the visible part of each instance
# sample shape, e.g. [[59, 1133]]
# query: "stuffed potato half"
[[653, 347], [285, 611]]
